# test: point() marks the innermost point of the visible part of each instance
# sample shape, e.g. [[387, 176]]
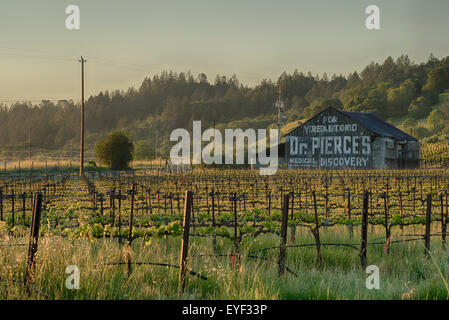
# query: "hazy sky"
[[125, 41]]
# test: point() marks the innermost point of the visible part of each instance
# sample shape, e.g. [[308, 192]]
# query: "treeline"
[[392, 89]]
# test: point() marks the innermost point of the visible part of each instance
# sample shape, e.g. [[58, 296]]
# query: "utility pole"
[[280, 106], [214, 137], [156, 145], [82, 60], [29, 145]]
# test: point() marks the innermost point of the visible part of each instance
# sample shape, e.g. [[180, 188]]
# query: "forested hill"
[[409, 94]]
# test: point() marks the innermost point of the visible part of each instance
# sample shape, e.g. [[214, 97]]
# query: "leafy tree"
[[420, 108], [116, 150], [320, 105], [437, 81], [435, 120], [399, 99]]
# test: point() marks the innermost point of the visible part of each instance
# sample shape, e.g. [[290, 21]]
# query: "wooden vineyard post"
[[443, 231], [387, 230], [428, 223], [34, 237], [120, 216], [283, 235], [269, 202], [207, 199], [293, 227], [280, 198], [185, 241], [214, 237], [236, 240], [213, 207], [316, 231], [351, 232], [218, 201], [150, 202], [23, 197], [132, 192], [12, 206], [364, 243], [157, 198]]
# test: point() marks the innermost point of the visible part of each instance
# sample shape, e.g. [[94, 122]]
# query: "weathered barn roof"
[[371, 122], [378, 126]]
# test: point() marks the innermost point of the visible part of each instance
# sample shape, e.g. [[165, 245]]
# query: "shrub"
[[116, 150]]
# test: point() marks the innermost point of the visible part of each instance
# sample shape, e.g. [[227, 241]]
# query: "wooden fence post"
[[101, 203], [185, 241], [351, 230], [12, 206], [428, 223], [316, 232], [387, 230], [214, 237], [120, 198], [236, 240], [131, 214], [112, 207], [34, 237], [150, 203], [283, 234], [293, 227], [364, 243], [269, 202]]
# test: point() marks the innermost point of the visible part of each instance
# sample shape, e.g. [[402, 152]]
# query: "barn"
[[335, 139]]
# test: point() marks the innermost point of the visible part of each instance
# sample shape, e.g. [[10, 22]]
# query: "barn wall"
[[330, 140], [315, 144], [379, 151]]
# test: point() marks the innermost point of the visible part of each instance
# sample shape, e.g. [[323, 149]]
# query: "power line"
[[39, 51], [39, 100], [63, 57], [24, 56]]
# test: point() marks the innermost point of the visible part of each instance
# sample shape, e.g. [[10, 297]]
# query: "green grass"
[[405, 273]]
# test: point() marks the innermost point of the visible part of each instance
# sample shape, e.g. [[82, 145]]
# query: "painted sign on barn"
[[330, 140]]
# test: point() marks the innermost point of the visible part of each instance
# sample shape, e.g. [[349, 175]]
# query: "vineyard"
[[224, 234], [435, 154]]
